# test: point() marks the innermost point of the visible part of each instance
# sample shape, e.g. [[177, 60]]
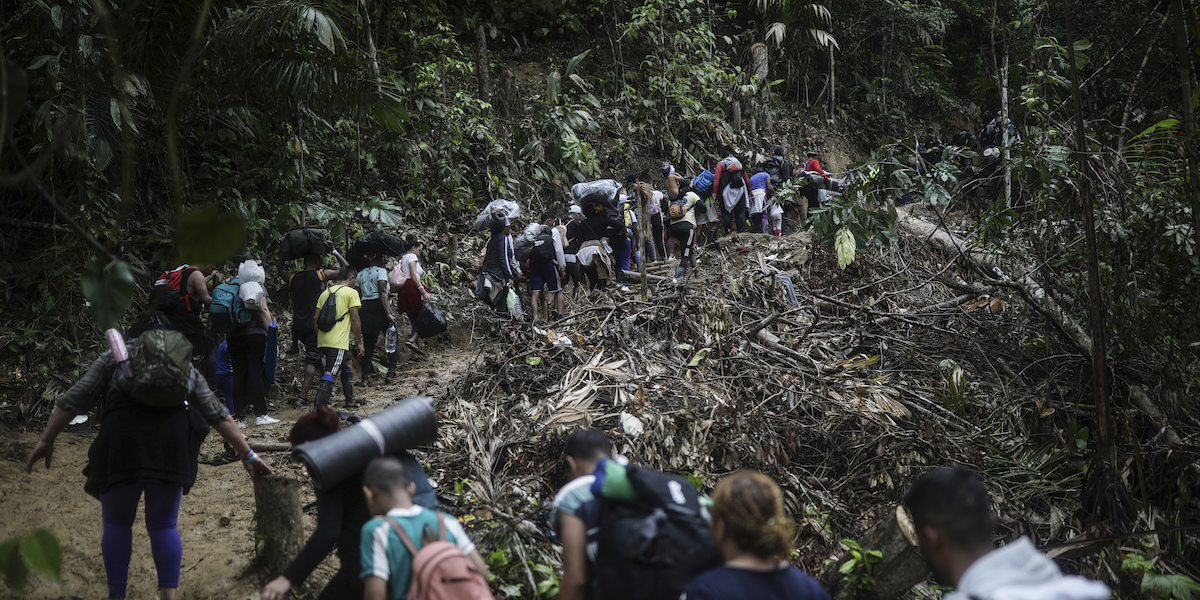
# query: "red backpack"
[[170, 289], [440, 570]]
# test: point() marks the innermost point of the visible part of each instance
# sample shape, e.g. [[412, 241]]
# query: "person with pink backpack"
[[410, 552]]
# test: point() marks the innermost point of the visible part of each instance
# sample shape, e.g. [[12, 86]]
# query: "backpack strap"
[[407, 541]]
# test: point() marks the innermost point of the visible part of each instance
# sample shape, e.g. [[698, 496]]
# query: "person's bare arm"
[[573, 533], [265, 314], [477, 562], [386, 299], [198, 287], [45, 446], [374, 588], [228, 430], [356, 327]]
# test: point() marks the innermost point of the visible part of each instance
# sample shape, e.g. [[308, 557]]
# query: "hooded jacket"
[[1019, 572]]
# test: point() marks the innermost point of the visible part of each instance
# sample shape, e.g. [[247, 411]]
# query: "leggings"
[[684, 236], [246, 354], [656, 230], [118, 507]]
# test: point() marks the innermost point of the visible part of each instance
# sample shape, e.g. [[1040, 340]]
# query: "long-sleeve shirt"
[[560, 257], [500, 258], [101, 379], [815, 165]]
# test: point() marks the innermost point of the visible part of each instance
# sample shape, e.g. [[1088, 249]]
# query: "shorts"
[[543, 277], [336, 359]]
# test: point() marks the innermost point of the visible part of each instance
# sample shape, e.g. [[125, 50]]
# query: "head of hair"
[[632, 177], [385, 473], [952, 501], [345, 272], [588, 444], [547, 215], [411, 242], [778, 151], [314, 426], [750, 506]]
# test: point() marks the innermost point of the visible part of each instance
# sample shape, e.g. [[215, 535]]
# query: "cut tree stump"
[[279, 522], [895, 573]]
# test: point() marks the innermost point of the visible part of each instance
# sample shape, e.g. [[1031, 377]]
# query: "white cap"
[[575, 209]]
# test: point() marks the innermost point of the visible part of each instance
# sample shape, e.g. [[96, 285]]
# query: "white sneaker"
[[625, 288], [241, 424], [265, 420]]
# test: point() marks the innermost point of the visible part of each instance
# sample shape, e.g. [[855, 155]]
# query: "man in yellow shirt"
[[334, 341]]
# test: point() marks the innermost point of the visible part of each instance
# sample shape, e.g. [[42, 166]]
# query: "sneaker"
[[351, 405], [265, 420], [414, 347], [391, 379], [241, 423], [624, 288]]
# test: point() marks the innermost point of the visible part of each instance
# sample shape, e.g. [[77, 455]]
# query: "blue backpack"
[[703, 184], [227, 311]]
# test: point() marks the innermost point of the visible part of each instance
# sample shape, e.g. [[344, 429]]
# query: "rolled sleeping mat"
[[331, 459]]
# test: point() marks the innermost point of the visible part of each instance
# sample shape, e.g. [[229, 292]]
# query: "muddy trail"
[[216, 519], [841, 385]]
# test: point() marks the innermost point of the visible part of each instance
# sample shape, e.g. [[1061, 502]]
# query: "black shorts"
[[336, 359]]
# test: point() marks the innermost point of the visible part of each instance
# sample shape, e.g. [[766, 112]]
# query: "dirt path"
[[216, 556]]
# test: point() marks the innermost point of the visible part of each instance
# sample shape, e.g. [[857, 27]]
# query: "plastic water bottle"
[[392, 340]]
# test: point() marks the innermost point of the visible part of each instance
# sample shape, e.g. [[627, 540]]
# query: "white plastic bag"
[[252, 295]]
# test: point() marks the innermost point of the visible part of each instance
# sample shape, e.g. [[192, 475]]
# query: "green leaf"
[[15, 573], [845, 245], [1171, 586], [209, 235], [109, 290], [574, 62], [533, 361], [41, 551], [39, 61], [57, 16], [114, 111]]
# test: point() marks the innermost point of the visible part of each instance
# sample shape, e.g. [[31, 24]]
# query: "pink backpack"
[[398, 277], [440, 570]]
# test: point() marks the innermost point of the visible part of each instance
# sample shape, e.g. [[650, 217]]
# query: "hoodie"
[[1019, 572]]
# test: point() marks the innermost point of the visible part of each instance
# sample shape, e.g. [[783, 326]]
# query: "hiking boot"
[[351, 404], [265, 420], [391, 379], [415, 347]]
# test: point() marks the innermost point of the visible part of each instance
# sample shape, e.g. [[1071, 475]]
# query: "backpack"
[[702, 184], [161, 367], [676, 209], [170, 289], [774, 167], [651, 547], [398, 276], [227, 311], [440, 570], [304, 241], [543, 247], [328, 316]]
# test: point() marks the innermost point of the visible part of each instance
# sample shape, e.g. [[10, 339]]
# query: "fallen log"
[[989, 264], [638, 276], [270, 447]]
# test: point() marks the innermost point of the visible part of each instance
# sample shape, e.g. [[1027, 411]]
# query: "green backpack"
[[161, 366]]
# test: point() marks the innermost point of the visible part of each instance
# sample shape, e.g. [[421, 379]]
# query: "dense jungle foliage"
[[135, 134]]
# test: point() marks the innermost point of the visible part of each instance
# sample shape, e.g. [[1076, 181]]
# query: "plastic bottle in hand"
[[392, 340]]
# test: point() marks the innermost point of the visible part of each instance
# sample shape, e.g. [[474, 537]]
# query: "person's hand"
[[43, 449], [257, 467], [391, 319], [425, 296], [277, 589], [361, 349]]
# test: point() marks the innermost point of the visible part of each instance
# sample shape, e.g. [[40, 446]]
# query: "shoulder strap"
[[407, 541]]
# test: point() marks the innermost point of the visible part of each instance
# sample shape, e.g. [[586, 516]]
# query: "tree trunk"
[[1189, 116], [366, 15], [279, 523], [759, 62], [832, 82], [481, 63], [1004, 131], [989, 264], [896, 572]]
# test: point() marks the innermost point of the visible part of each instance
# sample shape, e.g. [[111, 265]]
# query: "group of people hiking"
[[626, 532], [600, 239]]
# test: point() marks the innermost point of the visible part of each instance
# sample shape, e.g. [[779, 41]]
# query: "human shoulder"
[[573, 495]]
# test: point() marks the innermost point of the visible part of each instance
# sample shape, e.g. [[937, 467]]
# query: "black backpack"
[[543, 247], [328, 316], [774, 167], [651, 548]]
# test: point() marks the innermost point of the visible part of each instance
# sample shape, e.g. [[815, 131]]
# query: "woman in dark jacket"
[[143, 450], [341, 513]]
